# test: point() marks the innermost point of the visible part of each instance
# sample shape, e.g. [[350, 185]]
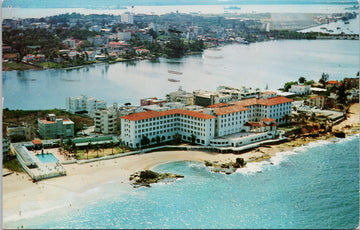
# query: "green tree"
[[144, 141], [302, 80], [341, 94], [288, 85], [158, 139], [324, 79], [193, 139], [177, 138]]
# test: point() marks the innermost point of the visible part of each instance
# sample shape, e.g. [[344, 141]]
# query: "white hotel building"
[[166, 124], [218, 120]]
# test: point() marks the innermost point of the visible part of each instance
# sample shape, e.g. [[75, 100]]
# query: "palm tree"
[[89, 146], [87, 152], [112, 144], [97, 149]]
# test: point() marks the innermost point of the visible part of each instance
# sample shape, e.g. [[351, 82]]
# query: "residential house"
[[300, 89]]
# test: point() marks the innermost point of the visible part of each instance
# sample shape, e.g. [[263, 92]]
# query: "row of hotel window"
[[169, 130], [169, 121]]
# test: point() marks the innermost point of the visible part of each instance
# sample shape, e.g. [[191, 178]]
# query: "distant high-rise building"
[[127, 18]]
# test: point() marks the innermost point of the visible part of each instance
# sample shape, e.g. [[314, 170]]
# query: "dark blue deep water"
[[315, 186]]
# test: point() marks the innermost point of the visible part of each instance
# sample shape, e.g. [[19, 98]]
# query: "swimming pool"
[[47, 158]]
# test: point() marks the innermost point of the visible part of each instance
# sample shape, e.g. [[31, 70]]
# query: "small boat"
[[173, 80], [175, 72], [346, 22], [338, 28]]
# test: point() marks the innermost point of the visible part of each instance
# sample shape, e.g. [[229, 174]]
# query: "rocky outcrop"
[[339, 134], [226, 168], [147, 177]]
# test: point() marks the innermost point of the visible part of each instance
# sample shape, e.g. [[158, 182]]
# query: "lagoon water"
[[254, 65], [314, 186]]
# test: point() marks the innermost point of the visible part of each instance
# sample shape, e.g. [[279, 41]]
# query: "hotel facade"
[[218, 120]]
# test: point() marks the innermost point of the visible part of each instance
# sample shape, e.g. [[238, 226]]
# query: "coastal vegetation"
[[13, 165], [18, 116], [147, 177]]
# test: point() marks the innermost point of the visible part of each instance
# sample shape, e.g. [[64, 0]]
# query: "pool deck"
[[48, 170]]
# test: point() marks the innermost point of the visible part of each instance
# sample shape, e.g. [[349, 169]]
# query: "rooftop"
[[153, 114], [229, 109]]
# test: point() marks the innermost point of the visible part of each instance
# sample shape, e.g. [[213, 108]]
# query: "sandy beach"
[[19, 189]]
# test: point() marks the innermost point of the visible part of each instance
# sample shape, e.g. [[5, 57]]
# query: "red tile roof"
[[219, 105], [267, 102], [152, 114], [333, 82], [37, 142], [267, 93], [267, 119], [229, 109]]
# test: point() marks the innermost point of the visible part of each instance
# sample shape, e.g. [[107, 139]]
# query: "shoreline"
[[19, 190]]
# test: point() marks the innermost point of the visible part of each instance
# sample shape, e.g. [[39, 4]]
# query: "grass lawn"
[[13, 165], [81, 155]]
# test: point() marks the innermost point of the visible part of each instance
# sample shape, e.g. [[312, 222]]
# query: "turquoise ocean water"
[[314, 186]]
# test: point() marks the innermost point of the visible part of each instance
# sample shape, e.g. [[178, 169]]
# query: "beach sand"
[[19, 189]]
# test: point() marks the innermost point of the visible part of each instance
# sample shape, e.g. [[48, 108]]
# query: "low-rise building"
[[152, 101], [24, 129], [206, 98], [238, 93], [52, 127], [180, 96], [317, 101], [300, 89]]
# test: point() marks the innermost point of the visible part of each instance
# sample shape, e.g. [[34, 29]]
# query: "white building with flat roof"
[[84, 104], [300, 89]]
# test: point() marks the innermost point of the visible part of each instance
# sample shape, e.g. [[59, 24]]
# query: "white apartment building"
[[105, 120], [238, 93], [84, 103], [300, 89], [127, 18], [166, 124]]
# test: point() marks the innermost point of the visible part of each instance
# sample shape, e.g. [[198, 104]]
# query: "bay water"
[[314, 186], [256, 65]]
